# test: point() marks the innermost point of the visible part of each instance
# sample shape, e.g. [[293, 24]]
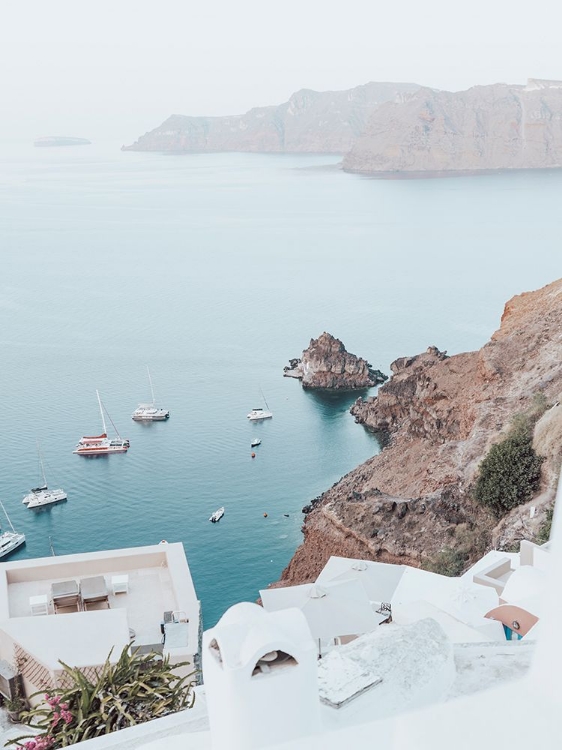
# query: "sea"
[[214, 270]]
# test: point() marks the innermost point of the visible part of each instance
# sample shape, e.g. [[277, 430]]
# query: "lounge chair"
[[94, 590], [65, 594]]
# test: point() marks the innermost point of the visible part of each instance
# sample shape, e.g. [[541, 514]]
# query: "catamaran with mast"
[[9, 540], [39, 497], [150, 412], [258, 413], [102, 445]]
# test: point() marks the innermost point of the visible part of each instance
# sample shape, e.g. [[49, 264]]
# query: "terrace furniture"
[[94, 590], [120, 584], [65, 594], [148, 648], [39, 605]]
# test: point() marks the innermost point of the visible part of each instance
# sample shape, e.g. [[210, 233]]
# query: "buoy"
[[163, 541], [253, 455], [265, 515]]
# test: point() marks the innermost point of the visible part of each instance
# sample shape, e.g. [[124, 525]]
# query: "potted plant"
[[15, 706]]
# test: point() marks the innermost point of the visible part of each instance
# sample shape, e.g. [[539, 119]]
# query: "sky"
[[117, 68]]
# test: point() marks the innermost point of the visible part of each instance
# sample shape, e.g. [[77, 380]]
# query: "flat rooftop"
[[150, 594], [158, 581]]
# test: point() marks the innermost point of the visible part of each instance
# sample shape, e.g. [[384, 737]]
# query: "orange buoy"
[[253, 455], [265, 515]]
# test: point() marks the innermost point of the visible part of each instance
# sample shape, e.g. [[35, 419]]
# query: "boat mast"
[[41, 464], [101, 412], [151, 388], [7, 516], [265, 402]]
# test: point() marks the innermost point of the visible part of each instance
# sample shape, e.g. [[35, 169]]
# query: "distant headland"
[[389, 129], [60, 140]]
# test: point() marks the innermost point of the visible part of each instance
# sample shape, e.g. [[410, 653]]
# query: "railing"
[[39, 676]]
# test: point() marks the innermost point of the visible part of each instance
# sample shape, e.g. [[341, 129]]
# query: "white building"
[[444, 673], [77, 608]]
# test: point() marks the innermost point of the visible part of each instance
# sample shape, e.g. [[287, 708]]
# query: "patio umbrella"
[[378, 579], [331, 610]]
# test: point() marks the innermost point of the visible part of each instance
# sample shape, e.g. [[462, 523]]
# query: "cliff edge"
[[483, 128], [440, 415]]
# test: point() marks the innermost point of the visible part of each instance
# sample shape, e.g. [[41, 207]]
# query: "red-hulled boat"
[[101, 445]]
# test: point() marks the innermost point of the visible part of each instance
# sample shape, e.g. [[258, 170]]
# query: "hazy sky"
[[118, 68]]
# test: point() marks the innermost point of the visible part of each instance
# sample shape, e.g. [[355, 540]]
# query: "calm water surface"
[[214, 270]]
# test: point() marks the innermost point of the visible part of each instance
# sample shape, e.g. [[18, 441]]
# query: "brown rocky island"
[[414, 502], [327, 365]]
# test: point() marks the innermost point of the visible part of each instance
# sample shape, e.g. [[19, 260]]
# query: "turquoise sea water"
[[214, 270]]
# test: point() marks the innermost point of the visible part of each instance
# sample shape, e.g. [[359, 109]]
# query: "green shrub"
[[137, 688], [543, 534], [510, 472], [448, 562]]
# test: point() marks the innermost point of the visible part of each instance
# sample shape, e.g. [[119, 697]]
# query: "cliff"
[[484, 128], [311, 121], [326, 364], [440, 415]]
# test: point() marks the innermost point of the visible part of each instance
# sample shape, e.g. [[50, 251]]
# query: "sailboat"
[[101, 445], [257, 413], [39, 497], [10, 540], [150, 412]]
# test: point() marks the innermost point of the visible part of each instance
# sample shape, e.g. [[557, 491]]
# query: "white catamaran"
[[10, 540], [150, 412], [101, 445], [258, 413], [39, 497]]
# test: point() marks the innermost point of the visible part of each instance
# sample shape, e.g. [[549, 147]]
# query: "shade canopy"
[[378, 579], [466, 601], [331, 610], [525, 584]]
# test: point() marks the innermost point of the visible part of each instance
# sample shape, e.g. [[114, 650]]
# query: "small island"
[[60, 140], [327, 365]]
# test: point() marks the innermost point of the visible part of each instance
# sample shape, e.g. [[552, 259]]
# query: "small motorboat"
[[217, 515], [255, 442]]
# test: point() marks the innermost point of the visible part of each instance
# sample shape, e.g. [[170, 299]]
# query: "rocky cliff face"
[[326, 364], [486, 127], [311, 121], [441, 415]]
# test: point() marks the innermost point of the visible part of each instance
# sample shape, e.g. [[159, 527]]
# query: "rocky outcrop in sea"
[[326, 364], [310, 122], [483, 128], [440, 415]]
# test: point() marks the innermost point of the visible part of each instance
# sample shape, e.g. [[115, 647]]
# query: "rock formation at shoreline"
[[310, 122], [484, 128], [60, 140], [326, 364], [441, 415]]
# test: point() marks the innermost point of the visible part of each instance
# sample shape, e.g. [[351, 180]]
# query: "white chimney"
[[260, 676]]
